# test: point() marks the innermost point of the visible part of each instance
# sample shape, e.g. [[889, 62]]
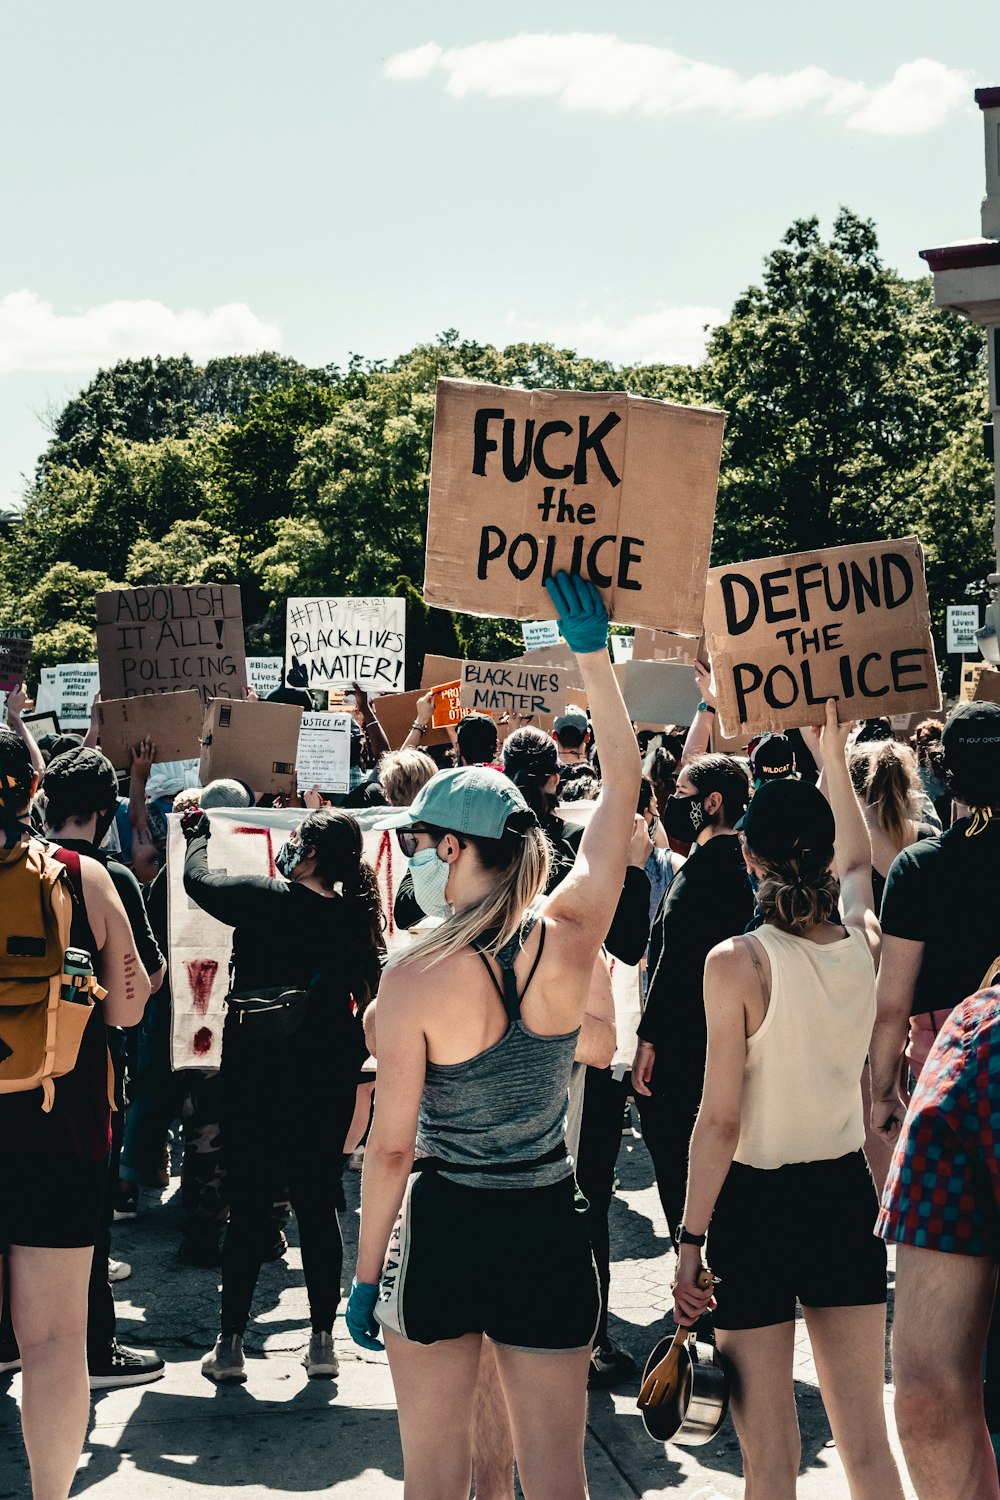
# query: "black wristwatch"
[[705, 708], [683, 1237]]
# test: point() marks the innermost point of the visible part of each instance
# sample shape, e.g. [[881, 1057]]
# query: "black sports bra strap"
[[508, 992], [534, 966], [493, 978]]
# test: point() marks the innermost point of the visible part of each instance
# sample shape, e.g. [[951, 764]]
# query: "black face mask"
[[683, 818]]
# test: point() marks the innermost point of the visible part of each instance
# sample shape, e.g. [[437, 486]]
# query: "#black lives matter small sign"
[[169, 639], [616, 488], [852, 623]]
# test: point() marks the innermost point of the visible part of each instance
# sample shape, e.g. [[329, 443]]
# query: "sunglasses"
[[407, 839]]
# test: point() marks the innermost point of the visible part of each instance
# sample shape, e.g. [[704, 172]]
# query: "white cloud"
[[585, 70], [919, 96], [667, 335], [33, 336]]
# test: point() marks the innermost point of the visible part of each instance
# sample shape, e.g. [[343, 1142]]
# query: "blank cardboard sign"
[[173, 721], [658, 692], [617, 488], [852, 623]]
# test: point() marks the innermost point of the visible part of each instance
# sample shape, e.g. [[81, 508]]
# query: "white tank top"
[[802, 1078]]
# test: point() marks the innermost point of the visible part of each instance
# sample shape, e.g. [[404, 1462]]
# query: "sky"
[[325, 178]]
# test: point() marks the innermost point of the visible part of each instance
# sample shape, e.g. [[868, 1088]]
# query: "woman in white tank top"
[[777, 1176]]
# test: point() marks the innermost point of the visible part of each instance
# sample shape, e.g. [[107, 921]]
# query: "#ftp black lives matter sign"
[[616, 488], [852, 623], [167, 640]]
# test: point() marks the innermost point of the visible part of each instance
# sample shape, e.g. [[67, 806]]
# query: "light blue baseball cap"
[[470, 799]]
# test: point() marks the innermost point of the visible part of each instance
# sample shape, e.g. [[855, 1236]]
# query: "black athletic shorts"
[[805, 1231], [50, 1199], [512, 1263]]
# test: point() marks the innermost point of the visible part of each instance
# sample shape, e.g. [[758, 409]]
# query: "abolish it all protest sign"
[[616, 488], [852, 623]]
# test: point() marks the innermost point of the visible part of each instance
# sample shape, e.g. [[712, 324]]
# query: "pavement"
[[284, 1435]]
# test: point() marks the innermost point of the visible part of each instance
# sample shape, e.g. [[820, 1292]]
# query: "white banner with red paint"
[[244, 842]]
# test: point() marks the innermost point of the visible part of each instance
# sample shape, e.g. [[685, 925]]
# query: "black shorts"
[[512, 1263], [50, 1199], [805, 1231]]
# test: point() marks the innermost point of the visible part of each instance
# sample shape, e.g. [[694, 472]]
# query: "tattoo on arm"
[[130, 967]]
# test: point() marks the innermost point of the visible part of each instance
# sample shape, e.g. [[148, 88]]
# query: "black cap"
[[788, 819], [16, 772], [771, 757], [79, 782], [971, 741]]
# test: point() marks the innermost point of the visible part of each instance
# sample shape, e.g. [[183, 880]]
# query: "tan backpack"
[[40, 1031]]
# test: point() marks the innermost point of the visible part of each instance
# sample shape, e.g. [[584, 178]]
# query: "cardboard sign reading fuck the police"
[[852, 623], [616, 488]]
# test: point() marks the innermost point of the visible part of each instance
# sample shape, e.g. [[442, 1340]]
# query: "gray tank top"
[[506, 1105]]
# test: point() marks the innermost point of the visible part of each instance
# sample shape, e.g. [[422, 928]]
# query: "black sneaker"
[[277, 1250], [117, 1365], [609, 1367], [126, 1204]]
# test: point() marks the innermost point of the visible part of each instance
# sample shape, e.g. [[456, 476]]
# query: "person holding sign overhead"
[[477, 1027], [778, 1181]]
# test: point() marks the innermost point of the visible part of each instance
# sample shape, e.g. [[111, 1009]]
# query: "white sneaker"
[[319, 1359], [119, 1270], [225, 1362]]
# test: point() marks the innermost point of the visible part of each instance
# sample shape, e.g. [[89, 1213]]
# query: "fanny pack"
[[270, 1015]]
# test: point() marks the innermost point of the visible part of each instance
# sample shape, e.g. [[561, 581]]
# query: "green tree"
[[842, 384]]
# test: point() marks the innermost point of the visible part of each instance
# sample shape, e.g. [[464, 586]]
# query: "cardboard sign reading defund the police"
[[852, 623], [167, 640], [616, 488], [494, 687]]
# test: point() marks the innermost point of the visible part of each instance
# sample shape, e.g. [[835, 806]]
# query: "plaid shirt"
[[943, 1187]]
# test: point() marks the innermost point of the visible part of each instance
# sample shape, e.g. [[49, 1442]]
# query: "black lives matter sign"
[[851, 623], [169, 640], [616, 488]]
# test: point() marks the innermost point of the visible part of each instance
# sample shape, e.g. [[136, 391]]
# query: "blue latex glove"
[[583, 620], [360, 1318]]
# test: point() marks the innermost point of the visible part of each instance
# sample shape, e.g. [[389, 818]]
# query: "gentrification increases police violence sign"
[[343, 641], [614, 487], [166, 640], [852, 623]]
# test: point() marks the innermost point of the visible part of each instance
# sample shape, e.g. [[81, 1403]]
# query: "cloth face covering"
[[683, 818], [288, 857], [430, 877]]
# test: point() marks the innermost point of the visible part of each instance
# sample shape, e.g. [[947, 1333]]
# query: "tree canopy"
[[855, 411]]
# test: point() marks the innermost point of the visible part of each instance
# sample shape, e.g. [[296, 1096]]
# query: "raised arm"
[[421, 723], [587, 898], [370, 727], [853, 850], [17, 698], [700, 731]]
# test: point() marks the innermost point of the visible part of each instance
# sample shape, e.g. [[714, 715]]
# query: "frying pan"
[[695, 1405]]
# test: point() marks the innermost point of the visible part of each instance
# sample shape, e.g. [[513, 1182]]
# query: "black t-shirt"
[[130, 894], [285, 934], [708, 901], [943, 892]]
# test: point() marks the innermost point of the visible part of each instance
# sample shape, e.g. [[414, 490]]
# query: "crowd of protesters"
[[810, 937]]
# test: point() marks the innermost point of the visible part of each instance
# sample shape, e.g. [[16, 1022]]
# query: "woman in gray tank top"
[[485, 1235], [776, 1156]]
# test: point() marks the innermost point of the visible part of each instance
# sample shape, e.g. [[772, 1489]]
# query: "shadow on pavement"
[[229, 1437]]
